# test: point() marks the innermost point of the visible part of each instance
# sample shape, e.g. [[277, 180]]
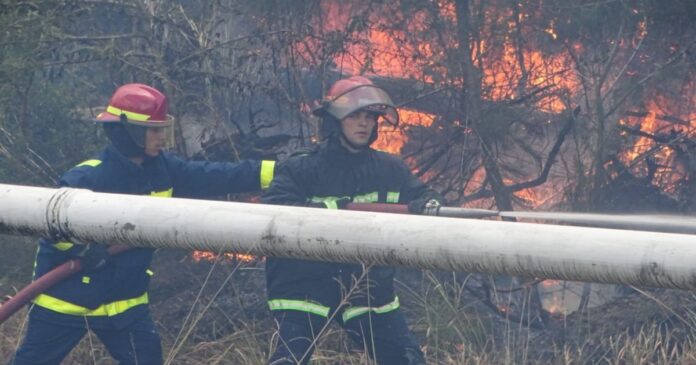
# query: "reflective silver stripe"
[[392, 197], [356, 311], [298, 305]]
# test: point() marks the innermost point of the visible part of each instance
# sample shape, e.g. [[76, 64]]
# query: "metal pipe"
[[544, 251], [637, 222]]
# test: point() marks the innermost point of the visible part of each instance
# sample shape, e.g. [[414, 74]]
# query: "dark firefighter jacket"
[[324, 175], [118, 290]]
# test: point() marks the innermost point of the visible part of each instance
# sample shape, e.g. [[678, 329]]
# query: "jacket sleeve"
[[197, 179], [412, 188], [288, 187]]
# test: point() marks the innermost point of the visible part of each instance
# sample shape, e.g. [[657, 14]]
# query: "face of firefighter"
[[155, 141], [357, 128]]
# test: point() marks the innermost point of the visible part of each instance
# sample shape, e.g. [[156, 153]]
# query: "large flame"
[[662, 117], [392, 139], [380, 49]]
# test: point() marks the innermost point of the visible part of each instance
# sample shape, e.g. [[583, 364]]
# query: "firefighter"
[[304, 296], [109, 296]]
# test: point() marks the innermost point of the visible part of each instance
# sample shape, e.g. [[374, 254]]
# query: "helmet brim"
[[368, 97], [106, 117]]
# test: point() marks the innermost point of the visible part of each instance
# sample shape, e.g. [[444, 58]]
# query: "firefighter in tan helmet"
[[305, 295]]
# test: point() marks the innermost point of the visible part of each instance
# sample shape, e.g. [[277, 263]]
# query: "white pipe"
[[533, 250]]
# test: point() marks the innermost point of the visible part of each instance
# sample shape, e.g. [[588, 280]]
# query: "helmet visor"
[[368, 97], [162, 136]]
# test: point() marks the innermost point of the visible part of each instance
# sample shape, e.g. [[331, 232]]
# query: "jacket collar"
[[338, 154], [127, 164]]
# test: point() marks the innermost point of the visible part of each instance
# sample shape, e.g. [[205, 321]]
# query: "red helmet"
[[354, 93], [135, 108], [140, 104]]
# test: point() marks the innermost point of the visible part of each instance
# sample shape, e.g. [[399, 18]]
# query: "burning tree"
[[491, 90], [534, 104]]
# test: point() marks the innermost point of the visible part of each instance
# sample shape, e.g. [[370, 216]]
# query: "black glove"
[[93, 256], [424, 206], [339, 203]]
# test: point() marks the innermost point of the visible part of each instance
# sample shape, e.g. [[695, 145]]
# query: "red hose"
[[51, 278], [379, 207]]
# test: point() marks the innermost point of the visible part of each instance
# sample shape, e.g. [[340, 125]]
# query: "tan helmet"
[[355, 93]]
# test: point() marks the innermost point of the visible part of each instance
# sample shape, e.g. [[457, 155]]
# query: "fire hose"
[[658, 223], [40, 285]]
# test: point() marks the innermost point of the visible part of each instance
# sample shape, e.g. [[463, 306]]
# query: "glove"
[[424, 206], [93, 256], [338, 203]]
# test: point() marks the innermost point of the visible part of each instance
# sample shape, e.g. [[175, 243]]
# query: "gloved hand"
[[424, 206], [339, 203], [93, 256]]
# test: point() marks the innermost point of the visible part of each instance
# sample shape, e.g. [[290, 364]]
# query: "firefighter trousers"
[[384, 336], [48, 343]]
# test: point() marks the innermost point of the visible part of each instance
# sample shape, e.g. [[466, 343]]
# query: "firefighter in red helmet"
[[109, 296], [136, 112], [304, 295]]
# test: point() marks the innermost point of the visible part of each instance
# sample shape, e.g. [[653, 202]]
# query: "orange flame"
[[502, 76], [385, 51], [393, 139], [663, 115]]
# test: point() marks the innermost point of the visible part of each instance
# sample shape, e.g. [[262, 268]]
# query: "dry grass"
[[221, 329], [446, 343]]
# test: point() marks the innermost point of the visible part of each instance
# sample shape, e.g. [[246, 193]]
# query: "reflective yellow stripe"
[[109, 309], [356, 311], [85, 279], [392, 197], [372, 197], [149, 272], [329, 201], [298, 305], [63, 246], [163, 193], [92, 163], [130, 115], [267, 168]]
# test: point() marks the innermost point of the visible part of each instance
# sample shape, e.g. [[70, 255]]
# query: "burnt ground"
[[242, 301], [669, 313], [180, 281]]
